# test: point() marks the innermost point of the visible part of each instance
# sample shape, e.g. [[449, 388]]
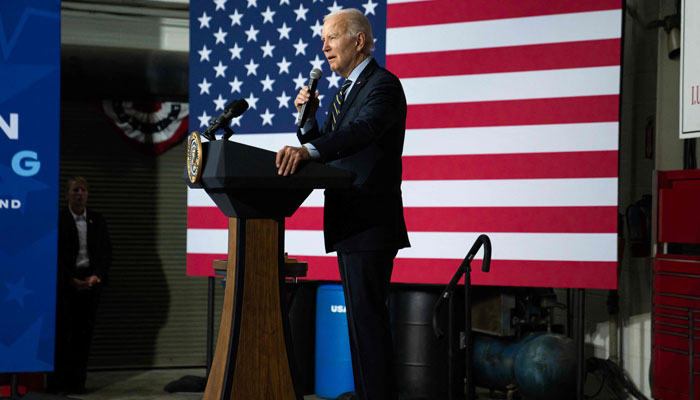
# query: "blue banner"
[[29, 190]]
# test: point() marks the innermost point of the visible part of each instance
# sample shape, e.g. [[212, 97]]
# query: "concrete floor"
[[140, 385], [149, 384]]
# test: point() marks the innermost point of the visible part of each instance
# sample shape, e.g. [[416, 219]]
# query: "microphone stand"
[[466, 336]]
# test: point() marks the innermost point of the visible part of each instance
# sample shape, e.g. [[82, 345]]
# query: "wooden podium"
[[253, 358]]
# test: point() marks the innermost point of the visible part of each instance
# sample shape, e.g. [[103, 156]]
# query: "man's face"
[[341, 50], [77, 197]]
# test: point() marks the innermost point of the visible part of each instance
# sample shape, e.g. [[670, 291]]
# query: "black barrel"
[[420, 358], [302, 326]]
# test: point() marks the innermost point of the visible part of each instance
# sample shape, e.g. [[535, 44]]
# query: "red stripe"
[[584, 54], [455, 219], [448, 11], [574, 274], [581, 164], [487, 219], [590, 275], [201, 264], [206, 218], [563, 110]]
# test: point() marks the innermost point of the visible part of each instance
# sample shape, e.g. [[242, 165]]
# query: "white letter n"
[[12, 130]]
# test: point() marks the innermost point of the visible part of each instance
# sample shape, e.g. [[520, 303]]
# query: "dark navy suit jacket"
[[368, 140], [99, 247]]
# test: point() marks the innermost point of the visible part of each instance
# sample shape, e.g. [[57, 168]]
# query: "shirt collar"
[[76, 216], [358, 70]]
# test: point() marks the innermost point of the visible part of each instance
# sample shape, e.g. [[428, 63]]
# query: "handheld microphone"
[[314, 77], [234, 109]]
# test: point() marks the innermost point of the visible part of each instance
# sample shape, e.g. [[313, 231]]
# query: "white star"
[[220, 4], [252, 34], [301, 12], [220, 70], [236, 51], [284, 31], [333, 80], [267, 49], [284, 100], [334, 7], [235, 85], [204, 86], [204, 119], [252, 101], [235, 17], [301, 47], [252, 3], [284, 65], [204, 20], [267, 117], [299, 82], [295, 115], [267, 83], [220, 36], [268, 14], [236, 121], [316, 29], [220, 103], [317, 62], [320, 100], [204, 53], [252, 68], [284, 2], [369, 7]]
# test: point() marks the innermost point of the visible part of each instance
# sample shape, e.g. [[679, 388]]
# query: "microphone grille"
[[315, 74]]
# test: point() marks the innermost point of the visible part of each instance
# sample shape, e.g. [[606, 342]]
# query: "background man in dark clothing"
[[84, 258]]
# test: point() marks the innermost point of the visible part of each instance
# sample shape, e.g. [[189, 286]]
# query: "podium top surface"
[[230, 165]]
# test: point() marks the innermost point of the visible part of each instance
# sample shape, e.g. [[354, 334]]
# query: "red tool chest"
[[676, 297]]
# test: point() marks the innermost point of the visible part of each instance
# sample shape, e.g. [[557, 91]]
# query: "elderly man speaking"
[[364, 133]]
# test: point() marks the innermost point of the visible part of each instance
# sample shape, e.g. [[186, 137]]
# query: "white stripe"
[[512, 139], [594, 25], [598, 136], [207, 241], [198, 198], [484, 193], [513, 85], [511, 193], [503, 193], [445, 245]]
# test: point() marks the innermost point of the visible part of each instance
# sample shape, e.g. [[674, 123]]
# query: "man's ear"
[[360, 41]]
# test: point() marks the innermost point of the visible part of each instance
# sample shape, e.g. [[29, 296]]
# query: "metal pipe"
[[579, 300], [210, 323], [451, 354], [469, 376], [691, 391]]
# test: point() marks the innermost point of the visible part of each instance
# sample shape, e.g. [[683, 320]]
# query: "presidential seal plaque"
[[194, 157]]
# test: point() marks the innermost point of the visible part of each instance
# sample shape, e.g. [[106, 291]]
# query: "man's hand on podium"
[[289, 158]]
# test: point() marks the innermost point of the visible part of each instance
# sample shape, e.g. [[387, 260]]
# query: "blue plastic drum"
[[333, 361]]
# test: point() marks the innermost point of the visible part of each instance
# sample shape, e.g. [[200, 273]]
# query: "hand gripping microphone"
[[234, 109], [314, 77]]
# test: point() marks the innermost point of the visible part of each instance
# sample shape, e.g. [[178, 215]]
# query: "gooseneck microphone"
[[314, 77], [234, 109]]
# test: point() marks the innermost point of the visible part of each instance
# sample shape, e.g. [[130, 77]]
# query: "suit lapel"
[[356, 88]]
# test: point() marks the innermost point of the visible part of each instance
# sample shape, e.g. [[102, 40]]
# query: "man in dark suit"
[[364, 133], [84, 258]]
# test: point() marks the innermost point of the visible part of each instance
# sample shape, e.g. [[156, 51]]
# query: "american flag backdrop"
[[512, 128]]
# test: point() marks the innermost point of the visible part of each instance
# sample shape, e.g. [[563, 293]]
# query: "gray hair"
[[356, 23]]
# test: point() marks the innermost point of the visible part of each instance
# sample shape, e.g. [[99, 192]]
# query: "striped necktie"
[[338, 103]]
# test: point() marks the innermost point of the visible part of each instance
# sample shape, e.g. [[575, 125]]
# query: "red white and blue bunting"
[[154, 127]]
